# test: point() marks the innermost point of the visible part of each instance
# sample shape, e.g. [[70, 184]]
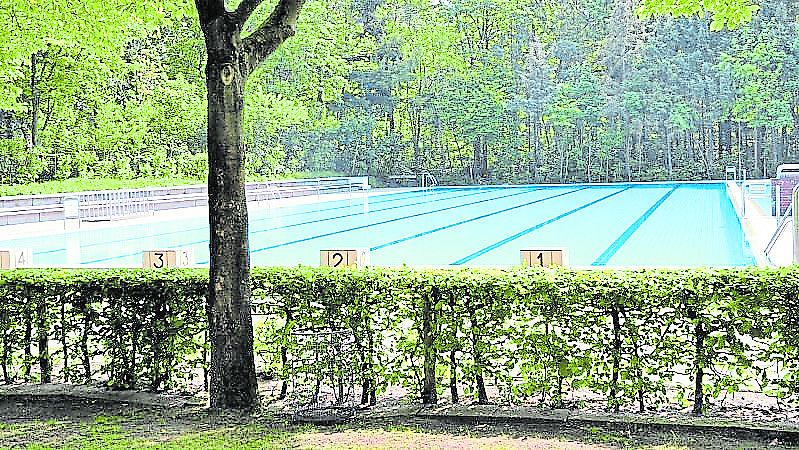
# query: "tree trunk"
[[627, 154], [725, 137], [43, 335], [759, 131], [429, 395], [536, 149], [530, 168], [699, 365], [669, 163], [781, 146], [711, 151], [35, 101], [232, 372]]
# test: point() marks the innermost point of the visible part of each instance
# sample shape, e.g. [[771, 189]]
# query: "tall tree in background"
[[231, 59]]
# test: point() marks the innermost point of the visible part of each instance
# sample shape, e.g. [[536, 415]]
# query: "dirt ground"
[[60, 422]]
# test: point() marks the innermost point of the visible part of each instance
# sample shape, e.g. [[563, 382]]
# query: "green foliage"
[[18, 165], [637, 338], [473, 91], [725, 13]]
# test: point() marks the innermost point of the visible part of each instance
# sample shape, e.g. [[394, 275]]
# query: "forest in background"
[[472, 91]]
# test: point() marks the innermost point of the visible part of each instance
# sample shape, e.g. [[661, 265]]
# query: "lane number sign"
[[164, 259], [544, 257], [358, 257], [15, 258]]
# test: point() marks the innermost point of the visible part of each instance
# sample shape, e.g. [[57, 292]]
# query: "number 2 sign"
[[344, 258], [544, 257]]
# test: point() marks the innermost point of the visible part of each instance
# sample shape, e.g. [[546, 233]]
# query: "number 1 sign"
[[344, 258], [544, 257]]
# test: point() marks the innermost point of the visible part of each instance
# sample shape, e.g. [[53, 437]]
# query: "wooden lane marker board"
[[164, 259], [15, 258], [544, 257], [353, 257]]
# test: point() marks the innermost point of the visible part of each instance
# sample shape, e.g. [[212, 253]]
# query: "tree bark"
[[232, 372], [35, 100], [699, 365], [429, 395], [725, 137], [43, 336]]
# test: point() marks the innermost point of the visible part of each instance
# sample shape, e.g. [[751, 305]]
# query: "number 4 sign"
[[163, 259], [544, 257], [15, 258]]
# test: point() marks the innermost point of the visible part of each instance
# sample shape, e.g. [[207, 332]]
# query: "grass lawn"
[[83, 424], [90, 184]]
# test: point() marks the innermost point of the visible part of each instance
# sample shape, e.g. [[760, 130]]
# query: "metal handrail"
[[428, 180], [786, 219]]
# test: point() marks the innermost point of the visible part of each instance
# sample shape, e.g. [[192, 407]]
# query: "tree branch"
[[209, 10], [277, 28], [246, 9]]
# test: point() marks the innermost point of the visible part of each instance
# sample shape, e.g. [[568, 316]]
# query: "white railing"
[[110, 205], [789, 218], [272, 190]]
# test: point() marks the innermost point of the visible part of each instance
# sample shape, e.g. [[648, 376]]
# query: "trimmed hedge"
[[640, 338]]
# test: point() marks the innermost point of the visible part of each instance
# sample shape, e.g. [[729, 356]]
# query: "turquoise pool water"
[[620, 225]]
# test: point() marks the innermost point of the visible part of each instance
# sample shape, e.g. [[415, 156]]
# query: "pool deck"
[[59, 226]]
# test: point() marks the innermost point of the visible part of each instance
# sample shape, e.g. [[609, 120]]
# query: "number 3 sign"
[[162, 259], [344, 258]]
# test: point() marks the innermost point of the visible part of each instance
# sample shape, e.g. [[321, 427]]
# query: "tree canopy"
[[471, 90], [725, 13]]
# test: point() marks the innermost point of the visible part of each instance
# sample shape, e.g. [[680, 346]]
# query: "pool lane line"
[[609, 252], [360, 213], [383, 222], [483, 216], [395, 197], [167, 233], [498, 244], [110, 258]]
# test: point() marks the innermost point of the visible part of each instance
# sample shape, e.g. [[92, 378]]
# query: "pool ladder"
[[428, 180]]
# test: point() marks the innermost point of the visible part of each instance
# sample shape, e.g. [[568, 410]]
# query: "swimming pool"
[[618, 225]]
